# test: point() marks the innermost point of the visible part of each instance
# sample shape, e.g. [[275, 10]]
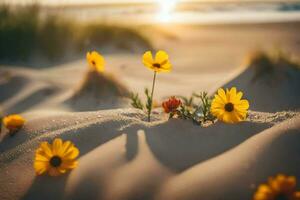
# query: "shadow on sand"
[[46, 187], [178, 146]]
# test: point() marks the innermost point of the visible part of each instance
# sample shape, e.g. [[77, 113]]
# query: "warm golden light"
[[166, 9]]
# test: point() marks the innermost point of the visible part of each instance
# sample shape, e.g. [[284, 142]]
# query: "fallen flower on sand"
[[160, 63], [278, 188], [55, 158], [96, 61], [13, 123], [228, 106], [170, 106]]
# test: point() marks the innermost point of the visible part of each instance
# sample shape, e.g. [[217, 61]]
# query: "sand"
[[122, 156]]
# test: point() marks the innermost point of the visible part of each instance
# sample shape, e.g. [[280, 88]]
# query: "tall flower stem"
[[151, 98]]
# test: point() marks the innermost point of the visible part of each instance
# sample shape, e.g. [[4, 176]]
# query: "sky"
[[56, 2], [73, 1]]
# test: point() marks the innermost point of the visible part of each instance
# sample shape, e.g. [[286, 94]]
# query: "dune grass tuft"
[[18, 32], [274, 65], [27, 37]]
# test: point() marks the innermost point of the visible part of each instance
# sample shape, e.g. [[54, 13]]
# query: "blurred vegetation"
[[275, 64], [26, 37]]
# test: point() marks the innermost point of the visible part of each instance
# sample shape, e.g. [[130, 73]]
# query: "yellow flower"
[[280, 187], [228, 106], [55, 158], [160, 63], [96, 61], [13, 122]]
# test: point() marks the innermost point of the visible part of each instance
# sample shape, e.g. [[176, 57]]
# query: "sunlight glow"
[[166, 9]]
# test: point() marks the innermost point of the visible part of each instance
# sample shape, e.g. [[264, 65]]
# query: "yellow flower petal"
[[46, 149], [148, 59], [222, 95], [240, 115], [239, 95], [243, 104], [71, 153], [231, 94], [40, 167], [57, 146], [161, 57], [166, 67], [65, 147], [70, 164], [227, 118], [41, 156]]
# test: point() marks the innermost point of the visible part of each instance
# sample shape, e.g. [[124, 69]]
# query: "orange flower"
[[171, 105]]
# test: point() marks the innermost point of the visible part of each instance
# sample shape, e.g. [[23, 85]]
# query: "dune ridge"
[[161, 144]]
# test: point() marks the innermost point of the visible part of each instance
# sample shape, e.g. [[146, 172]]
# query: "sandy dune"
[[124, 157]]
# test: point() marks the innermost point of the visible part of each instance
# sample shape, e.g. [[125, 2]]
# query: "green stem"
[[150, 107]]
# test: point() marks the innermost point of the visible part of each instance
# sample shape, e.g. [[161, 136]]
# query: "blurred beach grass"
[[27, 37], [274, 64]]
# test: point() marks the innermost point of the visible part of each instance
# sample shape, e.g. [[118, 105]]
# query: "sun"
[[166, 9]]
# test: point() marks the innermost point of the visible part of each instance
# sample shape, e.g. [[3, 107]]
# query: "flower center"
[[156, 65], [55, 161], [93, 62], [229, 107], [281, 197]]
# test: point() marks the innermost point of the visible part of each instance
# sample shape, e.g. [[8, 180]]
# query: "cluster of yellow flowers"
[[227, 105]]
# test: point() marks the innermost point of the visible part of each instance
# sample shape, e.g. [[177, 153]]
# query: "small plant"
[[186, 112], [158, 64], [190, 109], [149, 100], [197, 111], [187, 101], [136, 101], [170, 106], [182, 107], [203, 110]]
